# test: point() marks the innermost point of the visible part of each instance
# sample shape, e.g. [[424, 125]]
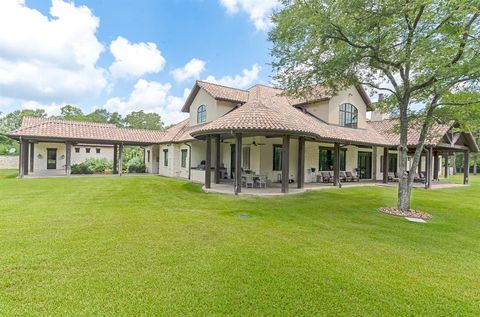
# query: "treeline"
[[136, 120]]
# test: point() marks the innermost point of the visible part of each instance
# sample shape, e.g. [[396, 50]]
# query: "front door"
[[51, 159], [365, 165]]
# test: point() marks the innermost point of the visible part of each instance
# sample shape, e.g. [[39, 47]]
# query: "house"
[[229, 131], [48, 147], [289, 140]]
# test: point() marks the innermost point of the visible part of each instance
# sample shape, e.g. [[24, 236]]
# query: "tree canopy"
[[416, 51]]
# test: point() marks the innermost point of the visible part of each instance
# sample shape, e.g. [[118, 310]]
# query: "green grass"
[[155, 246]]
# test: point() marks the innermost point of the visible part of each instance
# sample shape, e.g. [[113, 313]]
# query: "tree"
[[142, 120], [12, 121], [416, 51], [104, 116], [69, 112]]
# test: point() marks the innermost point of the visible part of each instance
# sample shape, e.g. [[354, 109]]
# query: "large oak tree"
[[418, 52]]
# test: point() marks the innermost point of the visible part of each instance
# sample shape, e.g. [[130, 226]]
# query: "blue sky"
[[128, 55]]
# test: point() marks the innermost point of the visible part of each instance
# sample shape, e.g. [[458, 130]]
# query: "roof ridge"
[[221, 85], [70, 121]]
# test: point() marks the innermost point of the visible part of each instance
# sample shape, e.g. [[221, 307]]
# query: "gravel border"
[[410, 213]]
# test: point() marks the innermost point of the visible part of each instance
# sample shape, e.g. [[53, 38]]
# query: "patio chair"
[[325, 177], [262, 181], [248, 180], [353, 177], [342, 176], [396, 177], [391, 176], [417, 177], [332, 176], [346, 177]]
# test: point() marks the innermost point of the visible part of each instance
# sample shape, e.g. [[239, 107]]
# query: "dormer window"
[[202, 114], [348, 115]]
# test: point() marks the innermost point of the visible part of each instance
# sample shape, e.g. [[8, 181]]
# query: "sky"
[[126, 55]]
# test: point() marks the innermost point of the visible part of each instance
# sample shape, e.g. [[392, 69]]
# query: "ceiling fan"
[[254, 143]]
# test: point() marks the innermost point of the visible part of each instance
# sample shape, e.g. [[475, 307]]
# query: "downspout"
[[189, 160]]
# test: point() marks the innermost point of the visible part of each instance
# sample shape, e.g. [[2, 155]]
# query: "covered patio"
[[57, 138]]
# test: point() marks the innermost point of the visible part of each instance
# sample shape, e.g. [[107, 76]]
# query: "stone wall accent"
[[8, 162]]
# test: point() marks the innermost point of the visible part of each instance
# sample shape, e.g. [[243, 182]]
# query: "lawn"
[[155, 246]]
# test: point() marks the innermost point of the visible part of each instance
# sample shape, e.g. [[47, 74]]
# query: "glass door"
[[365, 165], [51, 159]]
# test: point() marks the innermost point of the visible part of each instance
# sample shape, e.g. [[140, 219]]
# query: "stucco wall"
[[8, 162], [40, 154], [215, 109], [329, 111]]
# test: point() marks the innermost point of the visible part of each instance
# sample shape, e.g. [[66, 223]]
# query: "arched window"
[[201, 114], [348, 115]]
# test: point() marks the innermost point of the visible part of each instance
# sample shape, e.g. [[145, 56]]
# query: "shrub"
[[136, 165], [92, 166]]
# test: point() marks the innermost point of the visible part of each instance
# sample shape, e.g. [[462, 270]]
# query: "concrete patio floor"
[[275, 189]]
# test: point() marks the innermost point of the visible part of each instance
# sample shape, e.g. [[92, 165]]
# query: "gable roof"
[[218, 92], [56, 129], [268, 110], [435, 136]]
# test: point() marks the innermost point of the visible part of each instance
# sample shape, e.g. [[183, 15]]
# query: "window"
[[392, 163], [201, 114], [348, 115], [98, 151], [246, 158], [184, 158], [148, 156], [87, 150], [277, 157], [165, 157], [77, 150], [325, 161]]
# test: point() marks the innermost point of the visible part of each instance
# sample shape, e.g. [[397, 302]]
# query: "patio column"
[[32, 156], [217, 159], [301, 163], [435, 166], [208, 162], [115, 159], [385, 165], [68, 158], [285, 163], [120, 160], [336, 164], [237, 184], [428, 168], [20, 159], [25, 157], [445, 158], [466, 166], [454, 164]]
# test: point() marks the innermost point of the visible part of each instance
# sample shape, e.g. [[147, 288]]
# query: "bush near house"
[[136, 165], [92, 166]]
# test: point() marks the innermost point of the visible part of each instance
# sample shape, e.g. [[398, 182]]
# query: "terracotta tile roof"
[[389, 128], [223, 92], [268, 109], [42, 128], [217, 91]]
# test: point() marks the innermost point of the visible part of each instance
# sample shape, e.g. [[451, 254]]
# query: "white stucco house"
[[231, 132]]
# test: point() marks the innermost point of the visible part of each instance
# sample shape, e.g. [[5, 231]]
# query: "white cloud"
[[52, 109], [49, 58], [239, 81], [135, 59], [192, 69], [259, 11], [151, 96]]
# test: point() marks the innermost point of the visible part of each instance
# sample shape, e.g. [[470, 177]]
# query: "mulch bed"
[[410, 213]]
